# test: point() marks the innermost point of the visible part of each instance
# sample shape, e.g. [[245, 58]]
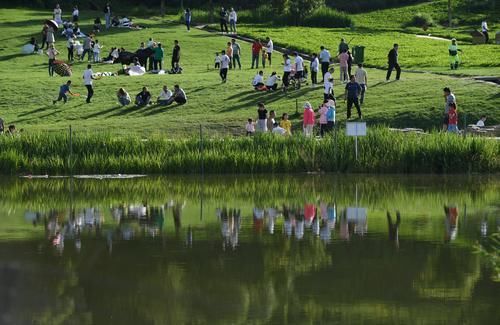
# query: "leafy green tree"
[[300, 9]]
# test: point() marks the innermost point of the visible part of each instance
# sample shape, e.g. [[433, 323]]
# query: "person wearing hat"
[[308, 122], [453, 52]]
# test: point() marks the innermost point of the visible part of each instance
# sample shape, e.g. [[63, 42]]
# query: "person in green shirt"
[[158, 57], [453, 52]]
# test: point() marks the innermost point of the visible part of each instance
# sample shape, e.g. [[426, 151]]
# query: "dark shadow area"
[[96, 114]]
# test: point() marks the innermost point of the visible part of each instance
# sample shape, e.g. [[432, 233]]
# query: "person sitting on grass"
[[453, 118], [143, 98], [278, 129], [165, 95], [250, 127], [258, 80], [123, 97], [286, 124], [11, 132], [179, 96], [62, 93], [272, 81], [481, 121]]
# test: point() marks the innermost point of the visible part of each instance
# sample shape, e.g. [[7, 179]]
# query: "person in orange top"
[[229, 53]]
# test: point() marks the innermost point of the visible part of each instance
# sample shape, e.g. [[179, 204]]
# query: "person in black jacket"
[[393, 63], [223, 20]]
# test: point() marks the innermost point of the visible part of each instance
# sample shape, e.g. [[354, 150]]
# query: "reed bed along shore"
[[382, 151]]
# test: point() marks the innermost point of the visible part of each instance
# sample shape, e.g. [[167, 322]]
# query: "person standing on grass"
[[123, 97], [323, 121], [176, 54], [269, 49], [224, 66], [270, 121], [349, 63], [299, 67], [352, 91], [187, 19], [343, 46], [484, 29], [158, 57], [44, 36], [362, 79], [256, 48], [250, 127], [324, 59], [449, 99], [50, 35], [107, 15], [343, 64], [62, 93], [393, 61], [314, 69], [233, 18], [87, 81], [453, 54], [261, 117], [71, 48], [264, 57], [52, 54], [87, 48], [328, 93], [76, 14], [453, 119], [57, 14], [229, 53], [308, 121], [97, 51], [223, 20], [236, 53], [286, 124], [287, 69], [330, 115]]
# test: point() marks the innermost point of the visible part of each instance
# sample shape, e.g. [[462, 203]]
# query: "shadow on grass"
[[12, 56], [102, 112], [41, 109]]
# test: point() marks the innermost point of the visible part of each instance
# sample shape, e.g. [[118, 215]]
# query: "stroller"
[[296, 80]]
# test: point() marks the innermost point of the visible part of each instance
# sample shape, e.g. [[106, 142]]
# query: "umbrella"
[[52, 23]]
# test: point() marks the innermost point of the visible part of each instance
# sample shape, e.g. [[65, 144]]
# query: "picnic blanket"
[[62, 69]]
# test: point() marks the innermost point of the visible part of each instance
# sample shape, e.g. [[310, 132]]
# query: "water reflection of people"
[[230, 227], [272, 215], [451, 222], [394, 227], [287, 221], [258, 219]]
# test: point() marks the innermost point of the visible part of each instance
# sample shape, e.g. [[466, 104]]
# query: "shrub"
[[422, 20], [328, 17]]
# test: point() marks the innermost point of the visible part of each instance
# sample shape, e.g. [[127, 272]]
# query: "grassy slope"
[[27, 90]]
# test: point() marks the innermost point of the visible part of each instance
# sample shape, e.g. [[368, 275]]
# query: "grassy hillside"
[[27, 90]]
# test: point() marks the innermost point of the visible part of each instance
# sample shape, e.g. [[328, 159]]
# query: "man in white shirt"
[[224, 66], [258, 80], [362, 80], [314, 69], [165, 95], [287, 68], [87, 81], [484, 29], [278, 129], [299, 66], [269, 49], [233, 18], [324, 59], [481, 121]]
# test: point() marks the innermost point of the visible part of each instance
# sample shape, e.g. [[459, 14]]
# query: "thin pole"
[[296, 106], [201, 151], [70, 150], [356, 146]]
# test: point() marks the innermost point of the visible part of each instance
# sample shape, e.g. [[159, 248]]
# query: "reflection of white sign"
[[356, 214], [354, 129]]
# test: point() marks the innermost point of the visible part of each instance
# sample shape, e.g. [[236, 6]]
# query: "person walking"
[[233, 18], [62, 93], [314, 66], [224, 66], [308, 120], [324, 59], [287, 69], [484, 29], [52, 54], [352, 91], [393, 61], [88, 76], [87, 48], [343, 46], [176, 54], [362, 79], [269, 49], [256, 48], [76, 14], [343, 64], [453, 54], [236, 53], [223, 20], [187, 19], [299, 68], [107, 15], [71, 48]]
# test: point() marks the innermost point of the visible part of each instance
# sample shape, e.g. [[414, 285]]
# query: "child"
[[217, 60], [62, 92], [328, 94], [453, 118], [264, 58], [250, 127], [97, 51], [286, 124], [71, 48], [330, 115], [323, 122]]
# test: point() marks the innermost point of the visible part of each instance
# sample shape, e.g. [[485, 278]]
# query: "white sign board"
[[356, 214], [356, 129]]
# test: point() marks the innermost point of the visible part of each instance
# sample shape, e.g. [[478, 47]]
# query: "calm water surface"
[[268, 249]]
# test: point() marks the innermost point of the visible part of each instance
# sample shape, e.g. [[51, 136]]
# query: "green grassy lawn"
[[27, 90]]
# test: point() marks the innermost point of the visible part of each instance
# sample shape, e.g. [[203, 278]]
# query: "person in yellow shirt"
[[286, 124]]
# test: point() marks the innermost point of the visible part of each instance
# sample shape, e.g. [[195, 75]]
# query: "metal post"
[[296, 106], [70, 150], [356, 146]]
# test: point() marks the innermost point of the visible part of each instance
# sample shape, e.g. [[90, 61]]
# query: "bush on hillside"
[[422, 20], [328, 17]]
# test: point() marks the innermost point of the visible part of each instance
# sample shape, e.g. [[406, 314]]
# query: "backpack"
[[330, 114]]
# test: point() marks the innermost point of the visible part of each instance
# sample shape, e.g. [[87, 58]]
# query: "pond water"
[[271, 249]]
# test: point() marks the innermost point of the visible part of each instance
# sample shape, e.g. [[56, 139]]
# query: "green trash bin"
[[358, 52]]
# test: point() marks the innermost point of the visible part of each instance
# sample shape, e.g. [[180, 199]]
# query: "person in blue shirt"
[[62, 92], [352, 91]]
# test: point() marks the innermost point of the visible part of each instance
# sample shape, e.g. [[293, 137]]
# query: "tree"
[[162, 8], [300, 9], [449, 13]]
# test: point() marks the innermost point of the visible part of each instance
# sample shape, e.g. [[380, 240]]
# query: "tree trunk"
[[162, 8], [210, 11], [449, 13], [182, 4]]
